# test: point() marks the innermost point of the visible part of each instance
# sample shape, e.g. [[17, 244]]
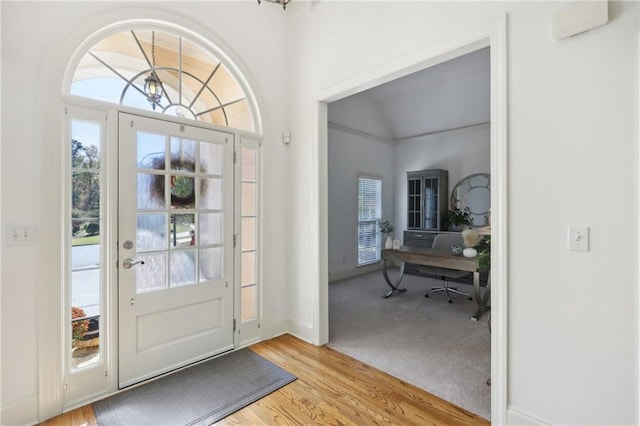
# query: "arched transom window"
[[192, 82]]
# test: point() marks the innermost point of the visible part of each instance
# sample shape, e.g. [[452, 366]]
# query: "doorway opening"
[[493, 38], [436, 121]]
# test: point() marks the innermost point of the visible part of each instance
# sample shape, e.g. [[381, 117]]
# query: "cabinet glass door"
[[427, 192], [431, 203], [414, 204]]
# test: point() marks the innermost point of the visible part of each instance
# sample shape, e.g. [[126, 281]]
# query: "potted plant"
[[471, 239], [386, 228], [456, 219], [78, 328], [484, 254]]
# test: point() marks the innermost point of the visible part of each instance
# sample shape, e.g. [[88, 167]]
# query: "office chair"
[[446, 241]]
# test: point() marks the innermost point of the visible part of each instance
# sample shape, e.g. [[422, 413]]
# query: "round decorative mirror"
[[473, 193]]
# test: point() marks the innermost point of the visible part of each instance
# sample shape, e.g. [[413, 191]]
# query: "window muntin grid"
[[197, 85]]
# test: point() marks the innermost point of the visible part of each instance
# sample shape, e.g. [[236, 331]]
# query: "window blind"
[[369, 213]]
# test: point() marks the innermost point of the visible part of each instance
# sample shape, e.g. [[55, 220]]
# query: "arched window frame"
[[179, 31]]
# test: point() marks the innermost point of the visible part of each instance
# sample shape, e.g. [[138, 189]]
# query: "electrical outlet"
[[18, 235], [578, 238]]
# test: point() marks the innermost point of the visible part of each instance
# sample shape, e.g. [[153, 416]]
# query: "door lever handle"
[[128, 263]]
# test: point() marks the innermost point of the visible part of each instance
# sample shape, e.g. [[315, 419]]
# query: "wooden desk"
[[439, 258]]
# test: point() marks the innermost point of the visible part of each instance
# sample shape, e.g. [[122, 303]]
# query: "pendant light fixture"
[[152, 84], [284, 3]]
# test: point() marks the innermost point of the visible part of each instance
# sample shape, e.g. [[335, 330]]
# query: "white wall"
[[38, 39], [572, 160], [349, 156]]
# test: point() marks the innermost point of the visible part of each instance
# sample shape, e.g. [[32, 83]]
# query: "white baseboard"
[[249, 342], [279, 326], [518, 418], [21, 412], [299, 329]]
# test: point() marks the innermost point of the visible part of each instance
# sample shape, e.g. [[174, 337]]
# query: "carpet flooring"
[[427, 342], [198, 395]]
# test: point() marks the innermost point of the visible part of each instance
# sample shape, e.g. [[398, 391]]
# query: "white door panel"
[[176, 228]]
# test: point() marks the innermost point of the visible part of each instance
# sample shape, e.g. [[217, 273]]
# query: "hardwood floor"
[[332, 389]]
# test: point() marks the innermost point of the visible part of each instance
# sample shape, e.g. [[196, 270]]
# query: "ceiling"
[[446, 96]]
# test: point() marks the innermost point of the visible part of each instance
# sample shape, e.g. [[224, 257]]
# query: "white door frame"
[[56, 73], [493, 34], [52, 401]]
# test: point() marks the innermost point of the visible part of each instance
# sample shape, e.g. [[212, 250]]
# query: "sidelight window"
[[85, 301]]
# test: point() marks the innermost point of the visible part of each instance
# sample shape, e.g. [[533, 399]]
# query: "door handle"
[[128, 263]]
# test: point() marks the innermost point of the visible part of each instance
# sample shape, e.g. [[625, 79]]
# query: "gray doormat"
[[199, 395]]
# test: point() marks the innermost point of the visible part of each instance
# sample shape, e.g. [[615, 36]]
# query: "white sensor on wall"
[[582, 16], [286, 138]]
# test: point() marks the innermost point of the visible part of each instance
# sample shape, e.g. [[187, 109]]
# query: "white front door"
[[175, 245]]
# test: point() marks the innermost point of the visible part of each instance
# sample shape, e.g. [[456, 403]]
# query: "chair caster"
[[471, 298], [450, 301], [426, 295]]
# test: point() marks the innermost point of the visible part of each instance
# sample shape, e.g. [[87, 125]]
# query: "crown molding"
[[446, 132], [360, 133]]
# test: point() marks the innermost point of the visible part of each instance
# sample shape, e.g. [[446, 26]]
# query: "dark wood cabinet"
[[427, 191]]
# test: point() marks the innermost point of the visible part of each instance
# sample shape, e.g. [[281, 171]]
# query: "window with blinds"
[[369, 213]]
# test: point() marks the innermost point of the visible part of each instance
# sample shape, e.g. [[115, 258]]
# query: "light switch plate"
[[579, 238], [18, 235]]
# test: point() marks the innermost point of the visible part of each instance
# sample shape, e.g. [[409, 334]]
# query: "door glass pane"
[[151, 151], [183, 154], [210, 225], [248, 307], [151, 232], [151, 275], [183, 267], [248, 274], [183, 194], [211, 158], [211, 194], [86, 194], [248, 233], [150, 194], [210, 263], [249, 198], [182, 230], [85, 309], [85, 145], [249, 168]]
